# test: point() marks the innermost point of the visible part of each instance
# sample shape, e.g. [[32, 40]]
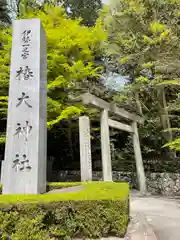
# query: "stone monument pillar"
[[139, 161], [25, 152], [85, 149], [105, 147]]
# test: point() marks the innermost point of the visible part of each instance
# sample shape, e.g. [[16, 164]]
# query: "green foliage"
[[143, 44], [70, 51], [22, 6], [4, 13], [91, 191], [101, 209], [138, 34], [174, 145], [87, 10], [70, 57]]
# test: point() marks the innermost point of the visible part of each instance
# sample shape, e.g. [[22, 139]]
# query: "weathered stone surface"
[[85, 149], [96, 176], [91, 100], [167, 184], [105, 147], [138, 158], [2, 171], [120, 126], [25, 154]]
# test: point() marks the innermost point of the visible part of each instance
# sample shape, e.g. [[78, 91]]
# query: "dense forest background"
[[126, 52]]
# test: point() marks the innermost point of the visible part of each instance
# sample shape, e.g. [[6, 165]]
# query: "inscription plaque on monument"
[[24, 166]]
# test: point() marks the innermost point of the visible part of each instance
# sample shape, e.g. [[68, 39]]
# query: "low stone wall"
[[97, 176], [167, 184]]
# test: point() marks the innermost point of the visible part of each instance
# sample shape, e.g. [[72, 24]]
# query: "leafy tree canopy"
[[143, 44], [70, 52], [86, 9], [4, 13]]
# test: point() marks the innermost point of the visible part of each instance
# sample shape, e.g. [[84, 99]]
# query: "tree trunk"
[[164, 115], [138, 104]]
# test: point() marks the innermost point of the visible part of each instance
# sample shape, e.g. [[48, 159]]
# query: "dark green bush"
[[94, 212]]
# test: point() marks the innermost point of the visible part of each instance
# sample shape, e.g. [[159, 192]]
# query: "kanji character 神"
[[23, 130]]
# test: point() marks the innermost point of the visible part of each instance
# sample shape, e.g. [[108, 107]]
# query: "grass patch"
[[91, 191], [60, 185], [56, 185], [100, 209]]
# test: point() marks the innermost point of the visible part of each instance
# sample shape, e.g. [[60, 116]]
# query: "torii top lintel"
[[91, 100]]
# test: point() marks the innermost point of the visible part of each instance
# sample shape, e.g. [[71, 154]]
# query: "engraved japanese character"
[[27, 73], [23, 99], [19, 73], [25, 52], [16, 163], [26, 39], [27, 129], [23, 130], [21, 164], [26, 36], [18, 130], [25, 163]]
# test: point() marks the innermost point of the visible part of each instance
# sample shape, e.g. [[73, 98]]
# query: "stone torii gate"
[[105, 122]]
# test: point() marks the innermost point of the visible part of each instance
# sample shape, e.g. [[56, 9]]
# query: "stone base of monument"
[[66, 190]]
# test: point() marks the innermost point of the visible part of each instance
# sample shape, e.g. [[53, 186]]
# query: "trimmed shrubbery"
[[100, 209]]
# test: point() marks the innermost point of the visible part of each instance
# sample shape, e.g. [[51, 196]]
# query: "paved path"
[[162, 214], [68, 189]]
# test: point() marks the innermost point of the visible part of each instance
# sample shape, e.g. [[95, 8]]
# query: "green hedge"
[[101, 209]]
